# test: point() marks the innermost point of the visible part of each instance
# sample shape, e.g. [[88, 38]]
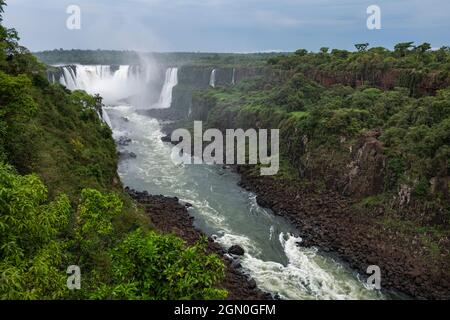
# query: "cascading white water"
[[69, 78], [171, 80], [233, 79], [212, 80], [116, 85], [106, 118], [113, 86]]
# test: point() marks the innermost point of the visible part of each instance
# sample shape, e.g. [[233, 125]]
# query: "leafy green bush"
[[37, 244], [31, 250], [151, 266]]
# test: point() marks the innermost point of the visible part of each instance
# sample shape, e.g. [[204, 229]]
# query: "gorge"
[[354, 206], [222, 210]]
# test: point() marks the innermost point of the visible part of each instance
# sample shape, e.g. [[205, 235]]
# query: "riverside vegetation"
[[62, 203], [365, 147]]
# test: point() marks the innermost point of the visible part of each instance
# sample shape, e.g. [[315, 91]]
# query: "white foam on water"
[[306, 276]]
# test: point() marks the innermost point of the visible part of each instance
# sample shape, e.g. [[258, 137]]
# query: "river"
[[231, 215], [222, 210]]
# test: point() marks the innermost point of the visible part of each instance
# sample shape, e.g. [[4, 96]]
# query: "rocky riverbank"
[[168, 215], [329, 220], [326, 219]]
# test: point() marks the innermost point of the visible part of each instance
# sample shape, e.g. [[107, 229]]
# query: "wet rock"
[[127, 155], [166, 139], [236, 264], [124, 141], [236, 250], [252, 283], [328, 221]]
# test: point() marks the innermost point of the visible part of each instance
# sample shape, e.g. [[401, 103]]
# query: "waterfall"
[[116, 85], [105, 118], [212, 81], [62, 81], [171, 80], [233, 79], [70, 78]]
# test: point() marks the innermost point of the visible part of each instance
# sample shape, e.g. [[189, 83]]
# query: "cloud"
[[226, 25]]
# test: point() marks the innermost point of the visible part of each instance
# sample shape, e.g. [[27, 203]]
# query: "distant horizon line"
[[274, 51], [167, 52]]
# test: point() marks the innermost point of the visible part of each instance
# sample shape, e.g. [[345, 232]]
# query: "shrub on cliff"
[[37, 245], [155, 267]]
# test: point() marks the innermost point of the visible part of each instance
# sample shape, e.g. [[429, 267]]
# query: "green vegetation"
[[417, 68], [60, 56], [329, 105], [62, 204]]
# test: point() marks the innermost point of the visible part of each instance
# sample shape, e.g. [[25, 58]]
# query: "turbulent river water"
[[231, 215]]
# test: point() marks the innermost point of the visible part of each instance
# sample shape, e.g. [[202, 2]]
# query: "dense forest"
[[113, 57], [62, 202], [326, 102]]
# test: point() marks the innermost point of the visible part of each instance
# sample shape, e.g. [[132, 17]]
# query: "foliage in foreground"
[[79, 216], [38, 243]]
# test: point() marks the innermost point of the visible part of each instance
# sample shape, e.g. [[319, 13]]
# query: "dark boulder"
[[252, 283], [123, 141], [236, 250], [166, 139]]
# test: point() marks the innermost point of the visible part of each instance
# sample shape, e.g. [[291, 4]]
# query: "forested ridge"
[[334, 101], [365, 150], [62, 204], [116, 57]]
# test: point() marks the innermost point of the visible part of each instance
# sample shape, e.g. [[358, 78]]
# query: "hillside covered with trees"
[[365, 150], [62, 204]]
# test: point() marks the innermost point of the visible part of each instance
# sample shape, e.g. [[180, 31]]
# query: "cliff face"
[[199, 77], [191, 79], [418, 83], [359, 168], [194, 76]]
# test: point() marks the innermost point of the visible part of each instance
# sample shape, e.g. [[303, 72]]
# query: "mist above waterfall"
[[138, 85]]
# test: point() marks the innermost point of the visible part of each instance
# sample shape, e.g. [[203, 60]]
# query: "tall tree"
[[402, 48], [361, 47], [2, 5]]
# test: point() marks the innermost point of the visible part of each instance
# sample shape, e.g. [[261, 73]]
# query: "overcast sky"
[[226, 25]]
